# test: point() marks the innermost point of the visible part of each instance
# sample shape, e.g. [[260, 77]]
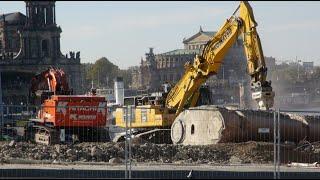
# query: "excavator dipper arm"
[[184, 93]]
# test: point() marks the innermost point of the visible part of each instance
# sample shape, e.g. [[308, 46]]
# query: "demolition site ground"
[[144, 152]]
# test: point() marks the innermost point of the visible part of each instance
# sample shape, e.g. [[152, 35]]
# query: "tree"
[[289, 73], [127, 77], [103, 72]]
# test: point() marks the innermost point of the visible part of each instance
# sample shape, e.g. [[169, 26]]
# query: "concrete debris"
[[70, 152], [11, 143], [116, 161], [114, 153], [57, 148], [295, 164], [96, 152], [190, 174], [297, 117], [235, 160]]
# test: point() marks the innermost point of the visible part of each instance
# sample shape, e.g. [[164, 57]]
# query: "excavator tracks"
[[50, 136]]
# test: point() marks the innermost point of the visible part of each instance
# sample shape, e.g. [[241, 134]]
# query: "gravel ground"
[[231, 153], [144, 152]]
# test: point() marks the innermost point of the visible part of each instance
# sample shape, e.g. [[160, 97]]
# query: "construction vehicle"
[[64, 117], [50, 82], [162, 112]]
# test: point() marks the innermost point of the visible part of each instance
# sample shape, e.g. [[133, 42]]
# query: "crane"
[[186, 93]]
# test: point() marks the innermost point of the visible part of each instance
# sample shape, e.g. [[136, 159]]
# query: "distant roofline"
[[16, 12], [200, 32], [12, 13], [179, 52]]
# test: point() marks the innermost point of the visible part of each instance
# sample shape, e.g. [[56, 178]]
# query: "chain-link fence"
[[131, 142], [299, 137]]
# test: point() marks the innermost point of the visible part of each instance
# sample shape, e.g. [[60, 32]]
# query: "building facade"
[[308, 66], [270, 63], [29, 44]]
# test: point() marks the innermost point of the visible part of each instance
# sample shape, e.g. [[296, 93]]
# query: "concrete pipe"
[[205, 125]]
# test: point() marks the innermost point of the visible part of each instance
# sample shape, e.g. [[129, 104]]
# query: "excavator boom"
[[185, 92]]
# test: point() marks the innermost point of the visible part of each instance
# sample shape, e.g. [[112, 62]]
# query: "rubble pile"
[[143, 152], [250, 152]]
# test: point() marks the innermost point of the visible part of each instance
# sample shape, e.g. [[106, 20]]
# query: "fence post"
[[130, 143], [1, 103], [128, 119], [274, 145], [126, 144], [279, 139]]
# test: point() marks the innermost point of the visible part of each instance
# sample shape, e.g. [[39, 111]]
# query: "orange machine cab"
[[74, 111]]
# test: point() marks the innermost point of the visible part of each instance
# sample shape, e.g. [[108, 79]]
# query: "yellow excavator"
[[154, 113]]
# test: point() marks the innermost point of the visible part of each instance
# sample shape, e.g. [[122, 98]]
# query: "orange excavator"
[[50, 82], [64, 117]]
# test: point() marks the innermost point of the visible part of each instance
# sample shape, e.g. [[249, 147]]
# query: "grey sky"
[[123, 31]]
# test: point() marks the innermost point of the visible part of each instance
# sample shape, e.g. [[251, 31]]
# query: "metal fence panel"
[[239, 143]]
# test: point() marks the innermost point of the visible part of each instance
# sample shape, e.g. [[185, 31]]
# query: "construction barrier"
[[229, 142]]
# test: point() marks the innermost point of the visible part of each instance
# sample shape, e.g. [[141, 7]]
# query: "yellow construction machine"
[[153, 113]]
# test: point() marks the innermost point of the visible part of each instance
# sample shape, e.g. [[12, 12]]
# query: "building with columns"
[[29, 44]]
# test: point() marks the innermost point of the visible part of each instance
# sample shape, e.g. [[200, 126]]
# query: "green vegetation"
[[103, 72]]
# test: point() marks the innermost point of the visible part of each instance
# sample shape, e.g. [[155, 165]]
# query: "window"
[[10, 43], [171, 77], [45, 15], [192, 129], [33, 48], [45, 48]]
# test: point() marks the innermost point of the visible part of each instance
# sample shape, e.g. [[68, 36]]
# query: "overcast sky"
[[123, 31]]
